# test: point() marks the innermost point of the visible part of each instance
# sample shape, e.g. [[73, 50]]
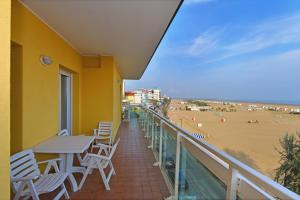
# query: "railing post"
[[128, 113], [177, 165], [232, 185], [160, 143], [151, 132], [144, 120], [158, 163], [147, 125]]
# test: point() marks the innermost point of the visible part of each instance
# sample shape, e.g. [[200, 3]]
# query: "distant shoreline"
[[245, 101]]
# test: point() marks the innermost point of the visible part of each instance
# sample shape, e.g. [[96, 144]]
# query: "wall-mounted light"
[[45, 60]]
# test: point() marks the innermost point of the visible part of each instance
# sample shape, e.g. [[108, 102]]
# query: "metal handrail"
[[260, 180]]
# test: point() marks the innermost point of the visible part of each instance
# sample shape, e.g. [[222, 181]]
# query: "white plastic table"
[[66, 147]]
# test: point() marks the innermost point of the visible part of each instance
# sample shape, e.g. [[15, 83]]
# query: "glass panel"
[[169, 155], [127, 113], [134, 112], [156, 140], [150, 122], [196, 181], [130, 113], [64, 102], [143, 114], [145, 126]]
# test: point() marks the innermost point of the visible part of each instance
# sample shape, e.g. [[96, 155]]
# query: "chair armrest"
[[98, 145], [100, 137], [97, 156], [96, 130], [26, 178], [47, 161], [51, 163]]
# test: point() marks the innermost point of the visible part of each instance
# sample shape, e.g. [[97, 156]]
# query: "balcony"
[[136, 178], [158, 160], [155, 159], [194, 169]]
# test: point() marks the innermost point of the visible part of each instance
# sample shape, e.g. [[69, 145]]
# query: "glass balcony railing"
[[194, 169], [202, 183]]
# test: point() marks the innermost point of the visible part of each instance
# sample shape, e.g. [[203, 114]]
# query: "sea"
[[277, 102]]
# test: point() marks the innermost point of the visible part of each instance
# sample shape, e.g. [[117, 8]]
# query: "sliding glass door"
[[65, 82]]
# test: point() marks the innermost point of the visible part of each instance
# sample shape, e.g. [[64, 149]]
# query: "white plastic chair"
[[100, 162], [103, 134], [27, 180], [63, 132]]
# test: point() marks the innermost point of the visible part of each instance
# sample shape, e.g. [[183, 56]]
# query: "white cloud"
[[203, 44], [272, 77], [211, 45], [200, 46], [262, 36]]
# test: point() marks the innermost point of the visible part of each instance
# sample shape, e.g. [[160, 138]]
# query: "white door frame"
[[70, 100]]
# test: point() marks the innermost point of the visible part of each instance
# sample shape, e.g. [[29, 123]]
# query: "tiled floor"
[[136, 178]]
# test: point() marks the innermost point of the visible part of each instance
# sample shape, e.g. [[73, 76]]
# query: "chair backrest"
[[63, 132], [113, 149], [23, 164], [105, 127]]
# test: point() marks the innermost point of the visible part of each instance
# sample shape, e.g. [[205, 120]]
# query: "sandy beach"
[[252, 136]]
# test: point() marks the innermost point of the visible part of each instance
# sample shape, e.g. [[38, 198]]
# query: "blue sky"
[[229, 49]]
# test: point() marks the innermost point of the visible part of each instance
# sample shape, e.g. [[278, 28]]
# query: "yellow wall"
[[96, 90], [40, 83], [35, 88], [101, 91], [16, 139], [4, 97], [117, 99]]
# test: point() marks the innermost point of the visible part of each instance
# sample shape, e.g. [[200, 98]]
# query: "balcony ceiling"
[[130, 30]]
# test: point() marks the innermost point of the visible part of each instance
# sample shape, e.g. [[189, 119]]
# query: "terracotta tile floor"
[[136, 178]]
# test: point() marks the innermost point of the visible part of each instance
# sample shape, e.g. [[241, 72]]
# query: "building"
[[137, 97], [151, 94], [62, 66], [130, 97], [192, 108], [156, 94], [295, 111], [133, 97], [142, 96], [198, 108]]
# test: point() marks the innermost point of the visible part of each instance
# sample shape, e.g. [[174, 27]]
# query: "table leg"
[[62, 163], [69, 167]]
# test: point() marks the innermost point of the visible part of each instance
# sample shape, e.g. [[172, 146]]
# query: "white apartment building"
[[156, 94], [142, 96], [138, 97]]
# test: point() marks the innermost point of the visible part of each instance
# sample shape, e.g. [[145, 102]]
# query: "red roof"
[[129, 93]]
